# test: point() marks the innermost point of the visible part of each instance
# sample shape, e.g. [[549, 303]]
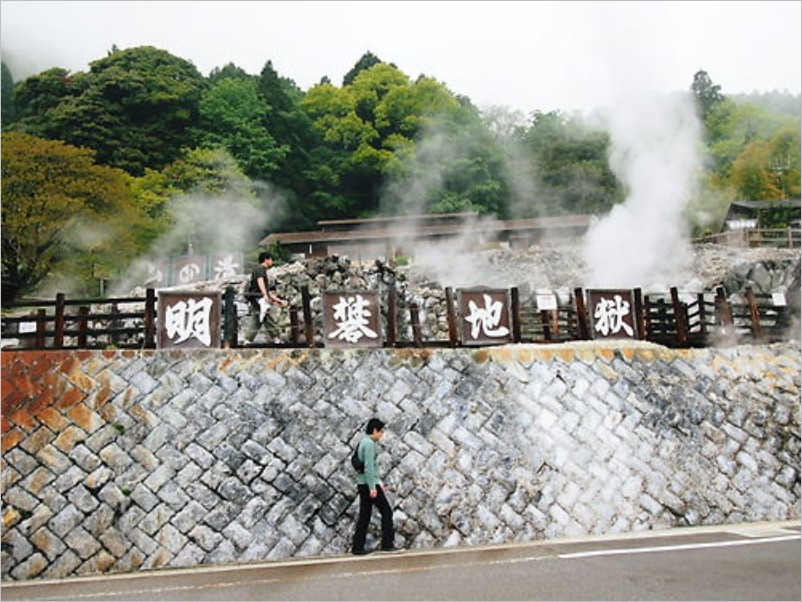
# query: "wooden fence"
[[783, 238], [131, 322]]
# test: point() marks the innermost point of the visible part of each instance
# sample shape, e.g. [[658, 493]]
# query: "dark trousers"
[[366, 504]]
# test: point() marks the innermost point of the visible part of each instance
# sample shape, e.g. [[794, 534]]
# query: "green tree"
[[380, 135], [136, 108], [784, 161], [62, 213], [366, 61], [734, 126], [185, 200], [332, 112], [233, 116], [7, 108], [228, 71], [451, 161], [293, 129], [769, 169], [36, 95], [708, 95], [572, 171]]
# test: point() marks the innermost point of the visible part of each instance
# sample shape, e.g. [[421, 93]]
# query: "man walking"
[[260, 297], [371, 492]]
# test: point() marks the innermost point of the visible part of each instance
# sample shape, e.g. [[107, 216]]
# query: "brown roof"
[[433, 218], [412, 231]]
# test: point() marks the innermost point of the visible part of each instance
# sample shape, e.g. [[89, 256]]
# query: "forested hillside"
[[143, 150]]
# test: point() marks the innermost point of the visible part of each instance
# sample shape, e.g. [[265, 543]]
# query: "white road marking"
[[690, 546]]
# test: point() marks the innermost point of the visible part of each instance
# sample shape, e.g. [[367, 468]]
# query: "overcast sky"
[[523, 55]]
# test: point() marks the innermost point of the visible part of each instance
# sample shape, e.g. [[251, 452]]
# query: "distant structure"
[[753, 214], [390, 237], [760, 223]]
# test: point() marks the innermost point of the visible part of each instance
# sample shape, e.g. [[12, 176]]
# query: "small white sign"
[[778, 299], [546, 302], [27, 327]]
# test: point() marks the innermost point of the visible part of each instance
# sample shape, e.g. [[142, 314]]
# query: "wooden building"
[[396, 236], [755, 214]]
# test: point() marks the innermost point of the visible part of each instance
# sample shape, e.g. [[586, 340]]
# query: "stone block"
[[82, 543]]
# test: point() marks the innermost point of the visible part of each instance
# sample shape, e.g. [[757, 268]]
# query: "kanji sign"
[[612, 314], [156, 273], [189, 320], [484, 317], [225, 265], [188, 269], [351, 319]]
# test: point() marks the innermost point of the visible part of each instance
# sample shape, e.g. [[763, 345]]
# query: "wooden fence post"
[[150, 319], [295, 328], [754, 313], [453, 336], [114, 324], [546, 323], [309, 331], [700, 299], [392, 316], [229, 318], [515, 311], [414, 320], [58, 326], [648, 329], [680, 317], [723, 308], [640, 324], [83, 325], [581, 314], [41, 329]]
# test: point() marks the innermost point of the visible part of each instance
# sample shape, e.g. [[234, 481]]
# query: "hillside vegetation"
[[144, 151]]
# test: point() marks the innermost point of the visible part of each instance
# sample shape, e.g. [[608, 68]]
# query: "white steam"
[[645, 242], [452, 261], [203, 224]]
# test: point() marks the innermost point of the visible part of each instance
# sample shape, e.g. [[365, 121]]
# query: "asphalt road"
[[736, 562]]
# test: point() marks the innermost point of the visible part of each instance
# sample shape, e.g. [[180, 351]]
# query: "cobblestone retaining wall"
[[116, 461]]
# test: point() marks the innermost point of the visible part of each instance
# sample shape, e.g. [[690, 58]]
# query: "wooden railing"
[[131, 322], [786, 238]]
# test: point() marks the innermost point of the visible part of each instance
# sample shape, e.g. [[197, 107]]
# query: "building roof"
[[404, 230], [765, 204], [429, 218]]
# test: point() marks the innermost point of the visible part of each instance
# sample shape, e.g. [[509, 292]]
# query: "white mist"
[[645, 241]]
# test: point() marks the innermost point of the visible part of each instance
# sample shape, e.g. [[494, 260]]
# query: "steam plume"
[[209, 224], [644, 242]]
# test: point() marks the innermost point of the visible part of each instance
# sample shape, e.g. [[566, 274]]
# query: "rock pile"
[[765, 270]]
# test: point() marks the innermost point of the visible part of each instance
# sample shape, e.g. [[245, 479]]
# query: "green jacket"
[[370, 456]]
